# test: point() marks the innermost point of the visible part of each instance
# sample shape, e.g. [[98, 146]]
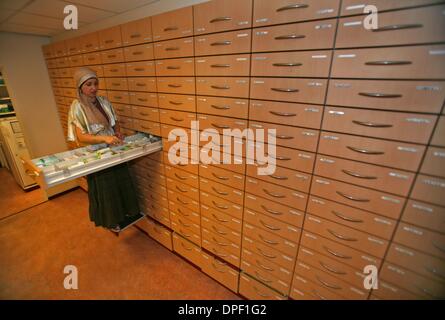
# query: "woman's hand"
[[112, 140]]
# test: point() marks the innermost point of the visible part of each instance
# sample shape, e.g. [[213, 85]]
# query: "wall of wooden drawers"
[[360, 140]]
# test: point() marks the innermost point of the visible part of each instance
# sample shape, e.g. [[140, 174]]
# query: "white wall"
[[27, 79]]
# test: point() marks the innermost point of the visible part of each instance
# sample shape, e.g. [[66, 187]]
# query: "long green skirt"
[[112, 196]]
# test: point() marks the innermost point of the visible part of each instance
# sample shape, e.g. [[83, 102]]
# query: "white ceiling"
[[45, 17]]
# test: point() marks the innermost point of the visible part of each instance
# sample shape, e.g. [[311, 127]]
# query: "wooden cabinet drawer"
[[144, 99], [425, 265], [60, 99], [222, 242], [110, 38], [272, 225], [119, 96], [351, 217], [283, 11], [175, 67], [174, 48], [223, 43], [282, 176], [187, 234], [92, 58], [145, 84], [255, 290], [331, 267], [73, 46], [421, 239], [387, 205], [139, 52], [350, 7], [231, 65], [228, 107], [286, 136], [51, 63], [345, 235], [116, 83], [213, 245], [225, 86], [221, 218], [439, 133], [220, 123], [303, 289], [183, 85], [151, 165], [173, 24], [112, 56], [177, 118], [222, 205], [425, 215], [89, 42], [411, 26], [339, 252], [183, 189], [365, 175], [161, 234], [76, 61], [434, 162], [426, 62], [222, 191], [187, 249], [412, 282], [183, 176], [63, 62], [70, 92], [183, 201], [286, 89], [389, 291], [271, 240], [184, 212], [185, 223], [222, 15], [68, 83], [140, 69], [429, 189], [151, 176], [177, 102], [408, 96], [291, 64], [135, 32], [160, 219], [380, 124], [273, 209], [114, 70], [147, 127], [54, 73], [69, 72], [292, 114], [387, 153], [221, 230], [329, 282], [220, 271], [145, 113], [233, 179], [297, 36]]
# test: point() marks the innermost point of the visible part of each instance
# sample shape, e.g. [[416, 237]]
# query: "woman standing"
[[91, 120]]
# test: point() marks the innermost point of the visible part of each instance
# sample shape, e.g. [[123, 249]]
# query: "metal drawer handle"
[[280, 136], [340, 236], [260, 293], [219, 19], [261, 278], [387, 63], [372, 124], [220, 87], [219, 219], [135, 35], [220, 206], [379, 95], [278, 177], [438, 246], [290, 36], [357, 175], [317, 295], [176, 119], [435, 272], [220, 192], [175, 85], [89, 45], [283, 114], [269, 226], [173, 67], [179, 177], [342, 216], [109, 41], [221, 43], [220, 66], [145, 127], [292, 6], [335, 254], [181, 190], [220, 107], [398, 27], [216, 267], [284, 89], [184, 234], [266, 255], [183, 213], [91, 58], [175, 103], [219, 254], [365, 151], [139, 69], [351, 197], [220, 126], [171, 48], [290, 64], [275, 195], [283, 158], [137, 53], [140, 84], [327, 284], [220, 243], [184, 224], [170, 28], [111, 56], [143, 99], [271, 211], [268, 241], [143, 114], [220, 177], [183, 202], [157, 230], [218, 231], [183, 245], [115, 84], [330, 269], [32, 173], [263, 266]]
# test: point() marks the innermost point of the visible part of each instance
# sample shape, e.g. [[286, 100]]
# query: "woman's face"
[[90, 87]]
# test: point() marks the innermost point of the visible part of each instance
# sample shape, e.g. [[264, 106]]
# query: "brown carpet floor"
[[36, 245], [13, 198]]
